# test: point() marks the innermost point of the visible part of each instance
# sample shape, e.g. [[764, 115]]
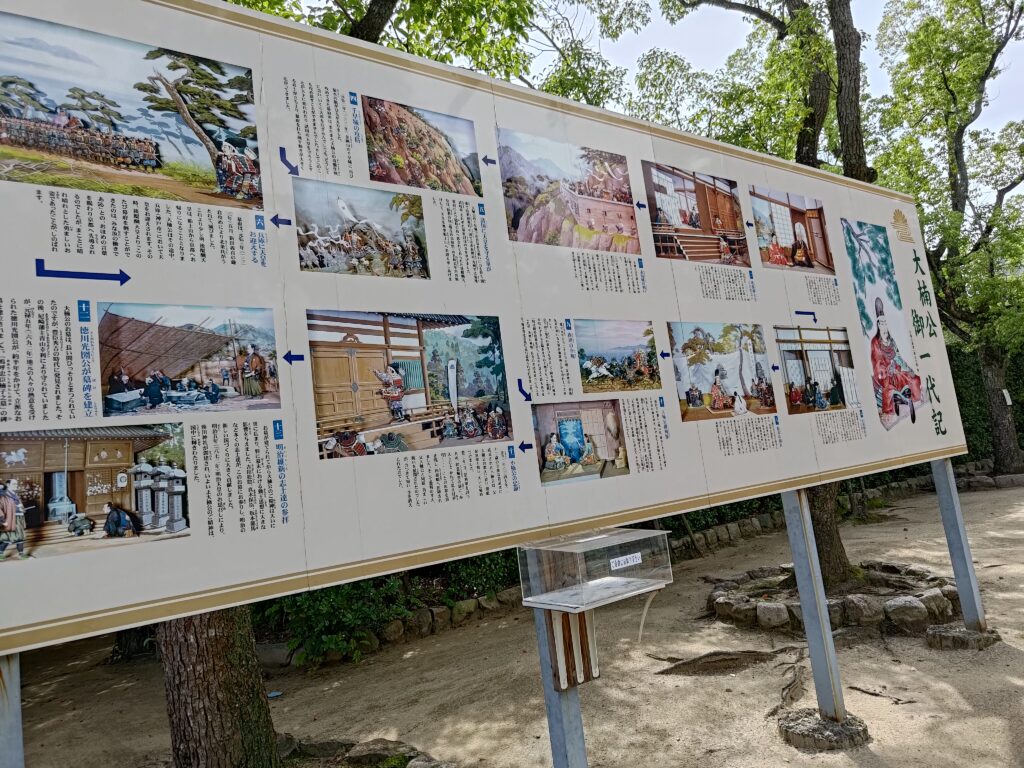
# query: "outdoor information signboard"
[[281, 310]]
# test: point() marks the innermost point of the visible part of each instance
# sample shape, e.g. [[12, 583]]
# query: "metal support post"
[[807, 569], [12, 749], [959, 547], [565, 721]]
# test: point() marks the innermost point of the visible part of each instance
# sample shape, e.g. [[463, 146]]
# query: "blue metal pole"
[[12, 748], [565, 720], [824, 665], [959, 547]]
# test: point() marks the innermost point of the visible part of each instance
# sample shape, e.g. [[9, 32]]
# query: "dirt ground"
[[473, 695]]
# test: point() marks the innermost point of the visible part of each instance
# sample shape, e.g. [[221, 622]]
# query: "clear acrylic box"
[[587, 570]]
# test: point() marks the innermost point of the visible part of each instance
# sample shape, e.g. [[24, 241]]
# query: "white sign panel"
[[282, 310]]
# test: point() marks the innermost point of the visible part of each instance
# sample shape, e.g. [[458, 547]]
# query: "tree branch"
[[760, 14]]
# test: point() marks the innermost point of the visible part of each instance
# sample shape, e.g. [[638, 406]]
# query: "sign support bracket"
[[824, 665], [565, 719], [12, 751], [959, 547]]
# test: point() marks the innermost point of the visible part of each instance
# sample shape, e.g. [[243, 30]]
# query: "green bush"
[[482, 575], [332, 620]]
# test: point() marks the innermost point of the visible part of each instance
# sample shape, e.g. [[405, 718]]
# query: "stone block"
[[939, 608], [796, 614], [734, 532], [756, 525], [836, 614], [489, 603], [513, 596], [1009, 481], [745, 614], [766, 572], [908, 613], [766, 522], [746, 528], [442, 618], [980, 483], [723, 534], [863, 610], [953, 637], [711, 537], [702, 544], [772, 615], [367, 642], [420, 623], [377, 751], [779, 518], [950, 593], [726, 605], [273, 654], [326, 748], [392, 632], [464, 610]]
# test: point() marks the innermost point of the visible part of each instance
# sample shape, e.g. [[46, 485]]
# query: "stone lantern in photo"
[[161, 484], [142, 481], [175, 479]]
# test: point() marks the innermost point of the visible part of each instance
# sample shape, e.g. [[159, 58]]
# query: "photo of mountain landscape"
[[420, 148], [561, 194]]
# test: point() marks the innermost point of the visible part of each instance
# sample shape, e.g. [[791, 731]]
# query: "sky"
[[708, 36], [609, 335]]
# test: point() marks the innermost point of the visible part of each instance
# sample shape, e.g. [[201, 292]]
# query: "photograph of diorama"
[[349, 230], [580, 441], [894, 377], [389, 382], [722, 370], [695, 216], [419, 148], [817, 366], [89, 111], [561, 194], [74, 490], [791, 231], [617, 355], [165, 358]]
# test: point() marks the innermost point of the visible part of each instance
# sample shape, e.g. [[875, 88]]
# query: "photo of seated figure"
[[791, 231], [580, 441], [818, 368], [722, 370]]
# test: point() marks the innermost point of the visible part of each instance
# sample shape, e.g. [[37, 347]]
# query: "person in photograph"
[[212, 392], [12, 520], [152, 392], [252, 367], [719, 399], [800, 253], [893, 377], [776, 255], [119, 522], [554, 454], [739, 405]]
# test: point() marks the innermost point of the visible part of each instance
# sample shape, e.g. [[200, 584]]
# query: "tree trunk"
[[132, 643], [1008, 458], [172, 91], [851, 136], [371, 26], [216, 701], [835, 565], [819, 90]]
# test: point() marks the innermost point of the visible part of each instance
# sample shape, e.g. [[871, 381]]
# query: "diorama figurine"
[[589, 455], [393, 391], [554, 454]]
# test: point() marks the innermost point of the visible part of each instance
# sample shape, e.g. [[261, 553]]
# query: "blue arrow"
[[526, 395], [489, 160], [278, 222], [293, 170], [641, 205], [665, 355], [524, 446], [41, 271], [812, 315], [290, 357], [775, 367], [750, 224]]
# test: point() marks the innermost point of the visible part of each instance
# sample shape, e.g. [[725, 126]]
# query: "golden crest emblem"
[[902, 226]]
